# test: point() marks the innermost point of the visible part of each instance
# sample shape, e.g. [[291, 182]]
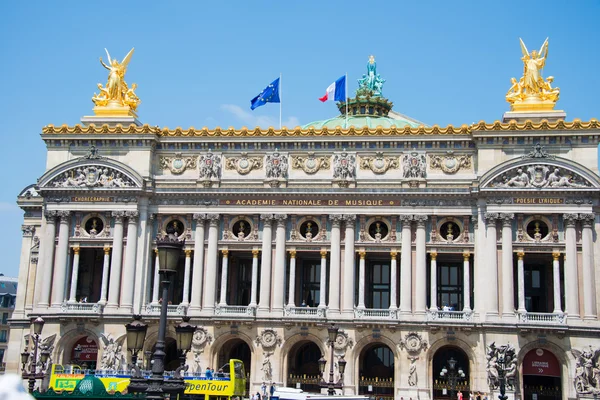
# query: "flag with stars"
[[270, 94]]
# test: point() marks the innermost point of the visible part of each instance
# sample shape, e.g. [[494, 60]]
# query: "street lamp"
[[136, 334], [501, 376], [332, 332], [184, 332], [33, 375], [452, 375]]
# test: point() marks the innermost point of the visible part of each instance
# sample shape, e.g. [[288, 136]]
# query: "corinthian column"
[[186, 277], [127, 287], [26, 267], [421, 267], [433, 289], [571, 278], [212, 256], [491, 292], [254, 277], [349, 267], [45, 265], [334, 265], [117, 261], [361, 280], [60, 261], [508, 291], [225, 264], [198, 267], [323, 279], [393, 280], [589, 294], [466, 281], [74, 275], [264, 302], [556, 281], [105, 269], [279, 273], [156, 281], [521, 281], [406, 265], [292, 287]]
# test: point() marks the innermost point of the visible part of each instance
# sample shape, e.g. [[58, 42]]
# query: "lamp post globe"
[[136, 335]]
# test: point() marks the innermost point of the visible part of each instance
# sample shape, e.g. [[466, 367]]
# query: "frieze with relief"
[[344, 166], [91, 176], [450, 163], [177, 164], [311, 164], [243, 164], [276, 165], [210, 166], [539, 176], [379, 164], [414, 165]]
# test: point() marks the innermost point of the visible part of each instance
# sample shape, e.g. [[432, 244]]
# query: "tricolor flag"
[[336, 91]]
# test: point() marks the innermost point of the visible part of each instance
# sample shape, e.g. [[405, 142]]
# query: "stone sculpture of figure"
[[210, 166], [111, 353], [93, 230], [519, 180], [587, 370], [492, 366], [266, 368], [511, 374], [241, 233], [308, 234], [276, 165], [412, 372], [344, 166], [414, 165]]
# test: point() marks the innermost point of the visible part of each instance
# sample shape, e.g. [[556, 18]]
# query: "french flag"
[[336, 91]]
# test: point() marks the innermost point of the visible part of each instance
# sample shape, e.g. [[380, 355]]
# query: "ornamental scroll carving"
[[497, 356], [310, 164], [379, 164], [540, 176], [586, 379], [414, 165], [177, 164], [450, 163], [92, 176], [243, 164]]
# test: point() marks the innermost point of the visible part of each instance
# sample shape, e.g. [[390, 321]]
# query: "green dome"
[[371, 121]]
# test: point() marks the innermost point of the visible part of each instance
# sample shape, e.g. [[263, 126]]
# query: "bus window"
[[238, 366]]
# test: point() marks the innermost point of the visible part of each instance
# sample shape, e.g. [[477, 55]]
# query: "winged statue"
[[112, 352], [587, 372], [116, 92]]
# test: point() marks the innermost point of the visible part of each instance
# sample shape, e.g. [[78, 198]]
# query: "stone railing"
[[450, 316], [541, 318], [375, 313], [243, 311], [81, 308], [175, 310], [308, 312]]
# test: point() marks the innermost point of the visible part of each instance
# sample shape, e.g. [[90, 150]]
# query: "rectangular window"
[[3, 334], [450, 286], [1, 356], [378, 285], [4, 318], [310, 289]]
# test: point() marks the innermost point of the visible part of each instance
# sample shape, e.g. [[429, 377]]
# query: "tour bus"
[[286, 393], [228, 384]]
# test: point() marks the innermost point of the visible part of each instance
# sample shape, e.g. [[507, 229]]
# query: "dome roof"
[[370, 121]]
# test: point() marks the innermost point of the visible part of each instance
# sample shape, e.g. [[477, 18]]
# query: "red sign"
[[541, 362], [89, 349]]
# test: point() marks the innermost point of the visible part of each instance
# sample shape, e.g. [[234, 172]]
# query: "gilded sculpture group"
[[529, 90]]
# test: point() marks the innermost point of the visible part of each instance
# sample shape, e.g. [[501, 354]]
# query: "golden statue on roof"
[[532, 92], [116, 98]]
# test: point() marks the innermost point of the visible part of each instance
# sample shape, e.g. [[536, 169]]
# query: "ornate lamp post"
[[33, 375], [136, 334], [332, 331], [185, 333], [452, 375], [501, 376]]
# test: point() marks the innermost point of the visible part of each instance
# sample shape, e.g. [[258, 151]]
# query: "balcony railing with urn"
[[305, 312], [81, 308], [449, 316], [537, 318]]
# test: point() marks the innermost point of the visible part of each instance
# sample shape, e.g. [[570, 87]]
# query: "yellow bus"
[[228, 384]]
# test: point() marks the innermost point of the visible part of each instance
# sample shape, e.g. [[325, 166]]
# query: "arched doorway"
[[88, 354], [447, 385], [541, 376], [238, 349], [376, 372], [303, 366]]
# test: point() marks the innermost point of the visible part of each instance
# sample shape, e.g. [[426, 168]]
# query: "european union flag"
[[270, 94]]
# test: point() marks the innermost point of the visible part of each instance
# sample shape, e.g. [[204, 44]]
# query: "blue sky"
[[199, 64]]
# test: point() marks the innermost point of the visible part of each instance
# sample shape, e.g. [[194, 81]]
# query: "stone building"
[[8, 294], [423, 244]]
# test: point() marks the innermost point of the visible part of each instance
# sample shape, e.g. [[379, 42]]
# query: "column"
[[264, 302], [186, 278], [45, 267], [292, 288], [508, 291], [128, 285], [334, 265], [491, 261], [74, 275], [323, 280], [60, 260], [254, 277], [393, 280], [433, 289], [421, 267], [521, 281], [212, 256], [571, 278], [361, 279], [143, 256], [117, 260], [225, 262], [156, 280], [105, 270], [587, 248], [279, 272], [479, 259], [198, 268], [466, 281], [556, 281], [406, 265], [349, 267], [26, 266]]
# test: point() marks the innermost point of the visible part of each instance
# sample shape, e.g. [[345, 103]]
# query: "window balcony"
[[375, 313], [537, 318], [449, 316], [172, 310], [305, 312], [236, 311], [81, 308]]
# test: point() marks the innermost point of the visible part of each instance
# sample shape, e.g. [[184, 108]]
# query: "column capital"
[[466, 255], [292, 253], [50, 215], [76, 250], [132, 215], [214, 219], [335, 219], [107, 250], [323, 253], [118, 216], [507, 219], [490, 218], [64, 216], [27, 230], [394, 254], [188, 253], [267, 217], [281, 219], [433, 255], [255, 253], [404, 218], [349, 217], [362, 254], [225, 252], [556, 255], [570, 219], [199, 217], [588, 219], [520, 255], [421, 219]]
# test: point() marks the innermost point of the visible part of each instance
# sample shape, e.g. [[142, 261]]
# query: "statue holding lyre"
[[116, 97]]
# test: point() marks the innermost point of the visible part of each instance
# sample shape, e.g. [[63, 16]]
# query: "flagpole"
[[280, 100], [346, 94]]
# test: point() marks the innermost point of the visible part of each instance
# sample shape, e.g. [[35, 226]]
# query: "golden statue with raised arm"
[[116, 98], [531, 92]]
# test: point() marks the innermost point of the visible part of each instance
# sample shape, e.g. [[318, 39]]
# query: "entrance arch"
[[239, 349], [541, 375], [303, 366], [443, 387], [376, 371]]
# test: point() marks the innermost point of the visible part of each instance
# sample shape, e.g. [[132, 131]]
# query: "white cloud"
[[6, 207], [250, 120]]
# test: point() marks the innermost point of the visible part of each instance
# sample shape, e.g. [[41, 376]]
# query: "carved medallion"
[[268, 339], [450, 164], [342, 342], [310, 164], [379, 164], [178, 163], [413, 343], [244, 164], [201, 338]]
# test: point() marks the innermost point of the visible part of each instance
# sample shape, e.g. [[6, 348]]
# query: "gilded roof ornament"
[[531, 92], [116, 98]]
